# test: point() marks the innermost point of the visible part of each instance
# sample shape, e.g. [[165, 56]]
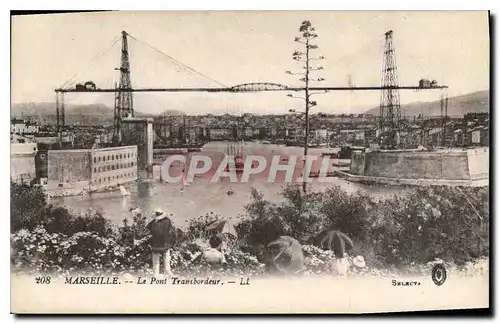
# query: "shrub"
[[436, 222], [347, 212], [296, 216], [129, 233], [300, 215], [426, 223], [29, 209], [260, 224], [27, 206], [197, 226]]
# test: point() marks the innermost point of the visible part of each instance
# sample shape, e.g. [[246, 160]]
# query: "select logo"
[[438, 274]]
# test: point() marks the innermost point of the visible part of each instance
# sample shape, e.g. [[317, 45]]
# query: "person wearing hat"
[[359, 262], [162, 235]]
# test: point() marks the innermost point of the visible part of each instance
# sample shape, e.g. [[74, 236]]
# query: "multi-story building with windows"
[[113, 166], [21, 127], [76, 171]]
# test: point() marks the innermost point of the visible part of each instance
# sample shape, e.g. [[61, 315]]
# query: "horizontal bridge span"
[[247, 88], [258, 86]]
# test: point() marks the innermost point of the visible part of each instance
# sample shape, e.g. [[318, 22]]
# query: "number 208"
[[42, 280]]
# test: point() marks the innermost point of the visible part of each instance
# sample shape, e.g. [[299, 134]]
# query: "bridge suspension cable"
[[354, 54], [72, 79], [178, 63]]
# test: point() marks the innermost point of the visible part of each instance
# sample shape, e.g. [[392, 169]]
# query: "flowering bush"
[[238, 263], [316, 260], [45, 251]]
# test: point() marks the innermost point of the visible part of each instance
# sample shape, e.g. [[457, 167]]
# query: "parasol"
[[224, 226], [290, 254]]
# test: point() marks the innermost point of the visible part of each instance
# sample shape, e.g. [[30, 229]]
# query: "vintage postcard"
[[250, 162]]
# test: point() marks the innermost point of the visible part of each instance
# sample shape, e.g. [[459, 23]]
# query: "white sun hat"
[[158, 211], [359, 262]]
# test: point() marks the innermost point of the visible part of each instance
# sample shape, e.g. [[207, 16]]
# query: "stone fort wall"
[[472, 164], [77, 171]]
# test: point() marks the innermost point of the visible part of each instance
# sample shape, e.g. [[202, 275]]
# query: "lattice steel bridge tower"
[[390, 109], [124, 103]]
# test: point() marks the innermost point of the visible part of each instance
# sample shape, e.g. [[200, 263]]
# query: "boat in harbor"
[[346, 151], [236, 152], [294, 143], [192, 147], [316, 174], [124, 191]]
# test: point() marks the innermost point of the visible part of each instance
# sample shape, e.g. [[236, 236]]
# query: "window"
[[99, 159], [109, 178], [95, 170], [113, 167], [112, 157], [99, 180], [95, 159]]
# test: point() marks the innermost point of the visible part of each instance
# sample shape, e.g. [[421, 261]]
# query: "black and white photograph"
[[250, 162]]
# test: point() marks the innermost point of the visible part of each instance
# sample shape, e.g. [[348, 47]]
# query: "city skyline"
[[241, 47]]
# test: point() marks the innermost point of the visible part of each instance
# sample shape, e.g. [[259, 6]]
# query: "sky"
[[242, 47]]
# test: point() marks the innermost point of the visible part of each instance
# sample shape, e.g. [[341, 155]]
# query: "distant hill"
[[49, 108], [470, 103], [93, 114], [172, 112]]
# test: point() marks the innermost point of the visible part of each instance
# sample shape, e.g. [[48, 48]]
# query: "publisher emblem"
[[439, 274]]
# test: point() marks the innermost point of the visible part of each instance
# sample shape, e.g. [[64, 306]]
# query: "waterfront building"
[[22, 162], [71, 172], [21, 126], [220, 133]]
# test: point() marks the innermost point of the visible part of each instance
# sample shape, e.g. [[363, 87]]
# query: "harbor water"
[[203, 196]]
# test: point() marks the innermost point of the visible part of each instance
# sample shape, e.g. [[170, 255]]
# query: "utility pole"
[[58, 129], [307, 37], [184, 136], [445, 117]]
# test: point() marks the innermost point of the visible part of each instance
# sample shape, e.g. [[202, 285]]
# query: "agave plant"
[[338, 242]]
